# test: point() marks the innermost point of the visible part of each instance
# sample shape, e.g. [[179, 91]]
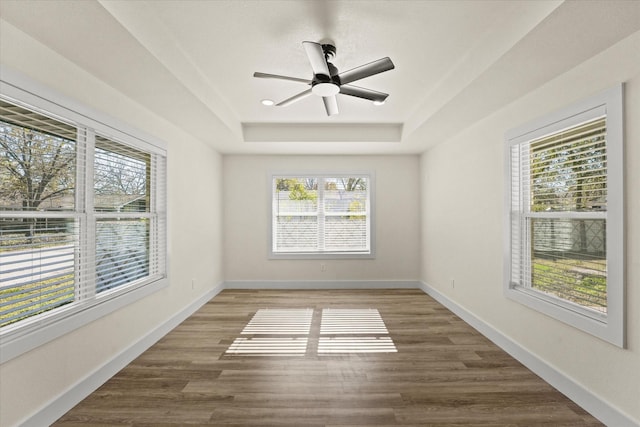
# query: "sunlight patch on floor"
[[268, 347], [328, 345], [280, 322], [353, 331], [287, 332], [351, 321]]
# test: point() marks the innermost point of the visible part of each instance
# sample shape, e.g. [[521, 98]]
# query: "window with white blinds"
[[564, 216], [82, 217], [321, 215]]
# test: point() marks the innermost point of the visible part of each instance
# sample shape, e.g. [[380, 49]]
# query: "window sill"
[[321, 255], [601, 327], [14, 345]]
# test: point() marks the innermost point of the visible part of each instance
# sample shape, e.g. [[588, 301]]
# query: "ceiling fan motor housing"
[[323, 85]]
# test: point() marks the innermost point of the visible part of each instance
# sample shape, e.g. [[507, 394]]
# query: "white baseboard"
[[591, 403], [322, 284], [70, 398]]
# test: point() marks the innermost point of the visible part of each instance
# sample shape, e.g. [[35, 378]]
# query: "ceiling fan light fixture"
[[325, 89], [378, 103], [267, 102]]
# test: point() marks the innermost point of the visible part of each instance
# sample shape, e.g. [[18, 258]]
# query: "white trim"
[[321, 255], [610, 328], [322, 284], [591, 403], [57, 407], [371, 217], [14, 347], [560, 120], [23, 89]]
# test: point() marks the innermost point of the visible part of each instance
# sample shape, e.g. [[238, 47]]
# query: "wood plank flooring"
[[444, 373]]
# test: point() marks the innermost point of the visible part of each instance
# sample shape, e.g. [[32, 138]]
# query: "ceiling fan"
[[327, 82]]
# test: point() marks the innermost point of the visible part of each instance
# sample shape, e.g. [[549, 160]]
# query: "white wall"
[[462, 200], [247, 212], [30, 381]]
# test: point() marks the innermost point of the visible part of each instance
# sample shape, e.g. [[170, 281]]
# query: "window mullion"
[[321, 214], [80, 209], [368, 215], [88, 223]]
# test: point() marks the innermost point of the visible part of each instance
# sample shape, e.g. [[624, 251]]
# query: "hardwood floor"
[[444, 373]]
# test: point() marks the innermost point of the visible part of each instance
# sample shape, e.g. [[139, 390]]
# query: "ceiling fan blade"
[[370, 69], [276, 76], [294, 98], [363, 93], [331, 105], [316, 58]]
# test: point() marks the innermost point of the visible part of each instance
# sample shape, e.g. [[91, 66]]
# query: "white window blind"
[[565, 216], [561, 201], [39, 227], [82, 217], [321, 214]]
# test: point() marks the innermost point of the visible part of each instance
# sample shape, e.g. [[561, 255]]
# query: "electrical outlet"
[[323, 267], [453, 283], [193, 283]]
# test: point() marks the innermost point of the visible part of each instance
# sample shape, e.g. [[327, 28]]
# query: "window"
[[82, 220], [321, 215], [565, 216]]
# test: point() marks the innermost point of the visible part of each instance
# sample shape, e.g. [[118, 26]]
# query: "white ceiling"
[[192, 62]]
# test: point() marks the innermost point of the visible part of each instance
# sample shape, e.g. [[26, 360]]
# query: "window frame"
[[35, 331], [609, 327], [370, 176]]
